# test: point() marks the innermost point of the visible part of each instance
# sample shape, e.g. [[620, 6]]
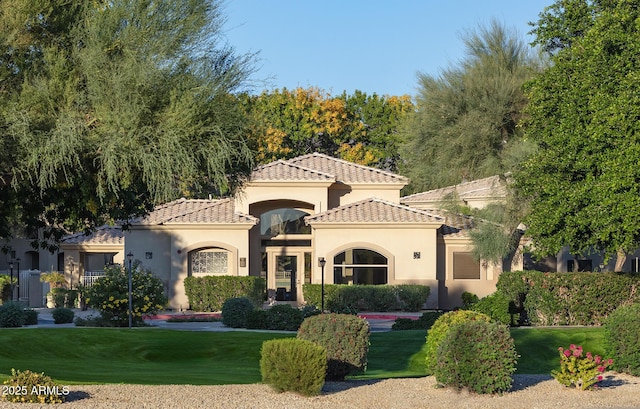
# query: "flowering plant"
[[580, 371]]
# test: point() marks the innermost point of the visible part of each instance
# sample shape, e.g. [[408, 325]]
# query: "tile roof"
[[374, 210], [102, 235], [346, 172], [281, 170], [493, 186], [458, 225], [196, 211]]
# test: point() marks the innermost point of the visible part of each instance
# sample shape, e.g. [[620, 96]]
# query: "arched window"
[[209, 261], [283, 221], [360, 266]]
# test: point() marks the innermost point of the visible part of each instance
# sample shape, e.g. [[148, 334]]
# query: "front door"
[[288, 269]]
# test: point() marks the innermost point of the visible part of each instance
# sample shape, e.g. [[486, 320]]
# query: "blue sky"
[[375, 46]]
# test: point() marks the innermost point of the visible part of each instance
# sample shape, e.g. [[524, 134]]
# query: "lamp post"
[[11, 277], [130, 258], [18, 272], [322, 263]]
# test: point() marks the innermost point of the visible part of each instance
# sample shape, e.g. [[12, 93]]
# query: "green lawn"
[[156, 356]]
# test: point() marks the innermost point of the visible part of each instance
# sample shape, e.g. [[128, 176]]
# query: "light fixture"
[[130, 258], [322, 262]]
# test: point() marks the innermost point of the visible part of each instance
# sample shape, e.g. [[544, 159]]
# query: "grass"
[[157, 356]]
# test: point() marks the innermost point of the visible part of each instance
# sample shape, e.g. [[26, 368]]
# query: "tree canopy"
[[466, 121], [584, 181], [109, 107]]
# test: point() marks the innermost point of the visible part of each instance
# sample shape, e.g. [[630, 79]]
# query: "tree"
[[109, 107], [584, 180], [466, 121]]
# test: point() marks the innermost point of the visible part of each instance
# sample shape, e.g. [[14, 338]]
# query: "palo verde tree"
[[109, 107], [584, 180], [465, 125]]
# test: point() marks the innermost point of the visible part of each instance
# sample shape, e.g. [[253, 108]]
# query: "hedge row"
[[210, 292], [569, 298], [354, 298]]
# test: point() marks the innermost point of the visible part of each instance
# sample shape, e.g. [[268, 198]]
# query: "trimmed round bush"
[[284, 317], [477, 355], [346, 339], [26, 382], [30, 317], [622, 332], [11, 315], [440, 328], [257, 319], [496, 306], [235, 312], [295, 365], [63, 315], [426, 321]]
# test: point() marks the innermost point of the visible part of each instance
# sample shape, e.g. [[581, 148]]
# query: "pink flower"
[[601, 368], [577, 353], [598, 359], [589, 356], [567, 353], [572, 346], [609, 361], [599, 378]]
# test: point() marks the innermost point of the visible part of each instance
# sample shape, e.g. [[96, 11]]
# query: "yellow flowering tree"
[[110, 294]]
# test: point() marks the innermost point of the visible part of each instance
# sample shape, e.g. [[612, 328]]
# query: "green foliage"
[[30, 316], [496, 306], [62, 315], [346, 339], [425, 322], [468, 299], [441, 327], [354, 298], [210, 292], [293, 365], [257, 319], [477, 355], [235, 312], [622, 332], [284, 317], [5, 287], [108, 109], [110, 294], [582, 372], [11, 315], [32, 387], [582, 180]]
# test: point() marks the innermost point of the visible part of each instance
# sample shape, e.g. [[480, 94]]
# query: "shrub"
[[5, 287], [257, 319], [23, 384], [583, 372], [30, 317], [441, 327], [468, 299], [294, 365], [496, 306], [59, 297], [412, 297], [425, 322], [235, 311], [346, 339], [11, 315], [284, 317], [477, 355], [622, 332], [110, 294], [350, 299], [62, 315], [310, 311], [209, 293]]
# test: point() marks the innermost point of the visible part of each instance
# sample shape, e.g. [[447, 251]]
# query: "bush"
[[23, 383], [441, 327], [11, 315], [59, 297], [350, 299], [477, 355], [582, 372], [5, 287], [412, 297], [496, 306], [284, 317], [346, 339], [425, 322], [257, 319], [622, 332], [468, 299], [30, 317], [209, 293], [62, 315], [235, 311], [110, 294], [294, 365]]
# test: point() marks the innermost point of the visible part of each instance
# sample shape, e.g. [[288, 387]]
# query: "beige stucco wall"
[[398, 243], [340, 195], [170, 249], [313, 193]]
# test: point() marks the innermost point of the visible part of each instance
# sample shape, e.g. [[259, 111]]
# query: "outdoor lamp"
[[322, 263], [11, 275], [130, 258], [18, 272]]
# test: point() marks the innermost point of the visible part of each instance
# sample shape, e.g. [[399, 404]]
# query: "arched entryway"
[[360, 266]]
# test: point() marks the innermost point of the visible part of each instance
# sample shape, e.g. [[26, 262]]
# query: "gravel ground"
[[529, 391]]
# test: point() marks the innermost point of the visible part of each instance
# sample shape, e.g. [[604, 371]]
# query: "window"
[[465, 266], [283, 221], [211, 261], [360, 266]]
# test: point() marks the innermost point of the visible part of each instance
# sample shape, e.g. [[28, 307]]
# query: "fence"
[[90, 277]]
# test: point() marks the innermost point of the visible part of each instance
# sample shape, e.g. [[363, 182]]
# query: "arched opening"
[[360, 266], [209, 261]]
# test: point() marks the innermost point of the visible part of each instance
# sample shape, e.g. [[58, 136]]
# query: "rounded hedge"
[[440, 328], [235, 312], [477, 355], [11, 315], [63, 315], [284, 317], [622, 332]]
